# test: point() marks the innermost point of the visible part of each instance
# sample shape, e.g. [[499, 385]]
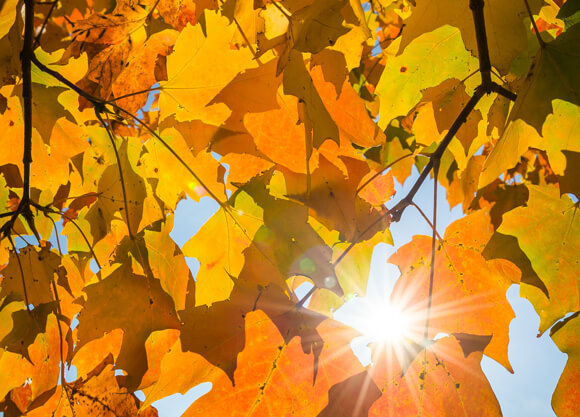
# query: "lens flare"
[[389, 323]]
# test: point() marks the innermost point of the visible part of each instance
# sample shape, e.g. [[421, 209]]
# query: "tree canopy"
[[296, 117]]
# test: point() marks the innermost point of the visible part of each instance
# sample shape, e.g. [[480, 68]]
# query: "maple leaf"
[[547, 111], [506, 32], [179, 13], [555, 257], [413, 71], [118, 195], [219, 264], [448, 380], [270, 109], [99, 393], [30, 274], [194, 79], [40, 363], [260, 387], [565, 335], [458, 284], [114, 303]]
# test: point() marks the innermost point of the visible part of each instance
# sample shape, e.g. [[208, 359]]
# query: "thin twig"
[[529, 10], [367, 182], [120, 169], [41, 31], [70, 219], [398, 209], [66, 82], [136, 93], [24, 290], [433, 246], [422, 213]]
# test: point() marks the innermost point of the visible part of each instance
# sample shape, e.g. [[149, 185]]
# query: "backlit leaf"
[[551, 244]]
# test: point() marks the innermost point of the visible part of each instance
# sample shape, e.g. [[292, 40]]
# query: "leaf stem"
[[66, 82], [41, 31], [433, 246], [537, 32], [120, 169], [367, 182], [422, 213], [24, 290], [398, 209]]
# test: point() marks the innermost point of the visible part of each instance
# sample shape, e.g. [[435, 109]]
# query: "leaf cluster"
[[296, 117]]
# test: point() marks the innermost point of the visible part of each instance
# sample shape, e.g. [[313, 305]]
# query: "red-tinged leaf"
[[348, 111], [459, 304], [110, 40], [179, 13], [443, 381], [77, 205], [267, 380], [379, 190], [136, 74]]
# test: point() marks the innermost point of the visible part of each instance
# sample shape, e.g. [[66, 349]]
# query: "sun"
[[388, 322]]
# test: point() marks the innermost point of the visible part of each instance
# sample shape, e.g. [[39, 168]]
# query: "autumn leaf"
[[564, 335], [125, 291], [504, 22], [302, 121], [448, 379], [551, 245], [459, 308], [118, 197], [193, 79], [219, 264], [260, 387], [30, 274], [410, 71]]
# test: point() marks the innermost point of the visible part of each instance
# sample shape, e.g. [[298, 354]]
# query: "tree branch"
[[433, 245], [476, 7]]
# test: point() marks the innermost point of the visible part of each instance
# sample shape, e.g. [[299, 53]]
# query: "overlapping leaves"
[[271, 110]]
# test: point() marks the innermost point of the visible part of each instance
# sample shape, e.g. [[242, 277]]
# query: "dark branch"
[[397, 210], [476, 7], [66, 82]]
